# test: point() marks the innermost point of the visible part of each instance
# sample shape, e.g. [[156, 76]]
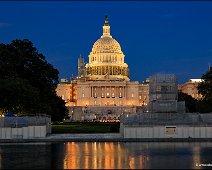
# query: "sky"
[[155, 37]]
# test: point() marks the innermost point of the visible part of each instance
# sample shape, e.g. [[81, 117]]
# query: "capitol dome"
[[105, 45], [106, 60]]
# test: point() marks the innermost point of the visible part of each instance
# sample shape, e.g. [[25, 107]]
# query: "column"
[[91, 91], [100, 92], [101, 70], [110, 92], [105, 92]]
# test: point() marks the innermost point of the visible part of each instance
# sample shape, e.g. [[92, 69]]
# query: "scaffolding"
[[163, 94]]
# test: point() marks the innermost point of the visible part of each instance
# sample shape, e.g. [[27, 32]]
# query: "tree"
[[190, 102], [26, 73], [205, 89], [18, 96]]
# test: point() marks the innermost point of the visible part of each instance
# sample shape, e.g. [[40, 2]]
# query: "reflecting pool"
[[106, 155]]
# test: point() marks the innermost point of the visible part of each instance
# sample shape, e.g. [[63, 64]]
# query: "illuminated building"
[[107, 79], [103, 90], [103, 87], [190, 88], [67, 91], [143, 93]]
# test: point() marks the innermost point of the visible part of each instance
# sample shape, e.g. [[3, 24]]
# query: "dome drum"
[[106, 58], [107, 70]]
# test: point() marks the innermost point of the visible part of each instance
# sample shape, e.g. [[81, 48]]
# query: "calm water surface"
[[105, 155]]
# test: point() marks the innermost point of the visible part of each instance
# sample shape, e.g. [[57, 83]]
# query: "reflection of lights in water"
[[94, 149], [107, 156], [132, 162], [71, 156], [86, 156], [95, 155], [119, 160], [196, 157], [111, 155], [141, 161]]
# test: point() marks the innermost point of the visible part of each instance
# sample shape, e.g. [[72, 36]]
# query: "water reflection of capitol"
[[94, 155], [112, 155], [105, 155]]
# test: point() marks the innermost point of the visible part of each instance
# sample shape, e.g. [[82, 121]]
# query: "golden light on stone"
[[103, 85], [106, 60]]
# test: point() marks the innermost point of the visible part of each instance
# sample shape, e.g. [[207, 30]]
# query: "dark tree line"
[[205, 89], [190, 102], [28, 81]]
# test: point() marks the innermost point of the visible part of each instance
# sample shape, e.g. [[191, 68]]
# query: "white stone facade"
[[107, 93], [64, 91]]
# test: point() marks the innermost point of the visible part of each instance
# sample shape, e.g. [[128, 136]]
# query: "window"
[[83, 95]]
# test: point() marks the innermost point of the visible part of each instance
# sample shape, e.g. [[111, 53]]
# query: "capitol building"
[[102, 89], [106, 75]]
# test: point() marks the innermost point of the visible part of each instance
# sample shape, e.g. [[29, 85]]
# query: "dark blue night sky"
[[156, 37]]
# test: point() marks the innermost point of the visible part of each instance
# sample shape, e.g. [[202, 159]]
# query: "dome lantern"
[[106, 28]]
